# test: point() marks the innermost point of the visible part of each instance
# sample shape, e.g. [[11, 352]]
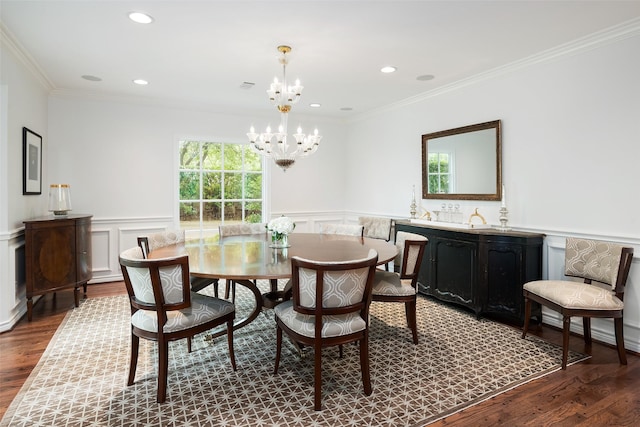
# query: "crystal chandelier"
[[274, 144]]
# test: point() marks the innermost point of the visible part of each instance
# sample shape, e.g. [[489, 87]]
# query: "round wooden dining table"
[[247, 258]]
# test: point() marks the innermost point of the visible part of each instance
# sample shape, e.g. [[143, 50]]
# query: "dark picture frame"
[[32, 162]]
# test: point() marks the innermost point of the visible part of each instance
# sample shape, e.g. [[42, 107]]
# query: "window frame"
[[202, 232]]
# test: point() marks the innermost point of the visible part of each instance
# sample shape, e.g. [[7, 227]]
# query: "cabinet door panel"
[[504, 293], [454, 270], [54, 261], [83, 242]]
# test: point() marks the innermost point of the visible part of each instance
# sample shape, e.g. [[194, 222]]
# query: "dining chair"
[[402, 286], [607, 264], [242, 229], [344, 229], [376, 228], [329, 306], [164, 309], [161, 239]]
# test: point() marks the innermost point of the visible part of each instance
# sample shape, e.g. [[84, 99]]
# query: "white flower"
[[280, 226]]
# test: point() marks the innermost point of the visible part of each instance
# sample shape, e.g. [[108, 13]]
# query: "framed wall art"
[[32, 162]]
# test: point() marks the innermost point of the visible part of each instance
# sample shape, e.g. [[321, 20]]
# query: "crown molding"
[[20, 53], [610, 35]]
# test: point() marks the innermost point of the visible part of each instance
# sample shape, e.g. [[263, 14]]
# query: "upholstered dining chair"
[[607, 264], [344, 229], [164, 309], [402, 286], [242, 229], [376, 228], [161, 239], [330, 306]]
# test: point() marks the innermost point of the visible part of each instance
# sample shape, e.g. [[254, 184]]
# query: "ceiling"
[[200, 53]]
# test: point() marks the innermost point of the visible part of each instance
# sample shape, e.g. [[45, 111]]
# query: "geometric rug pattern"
[[459, 361]]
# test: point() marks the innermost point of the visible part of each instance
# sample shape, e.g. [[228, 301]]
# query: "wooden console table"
[[481, 269], [58, 255]]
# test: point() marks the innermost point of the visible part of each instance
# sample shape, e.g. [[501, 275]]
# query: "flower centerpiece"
[[280, 229]]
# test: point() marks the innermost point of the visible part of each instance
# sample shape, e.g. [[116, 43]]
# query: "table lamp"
[[59, 199]]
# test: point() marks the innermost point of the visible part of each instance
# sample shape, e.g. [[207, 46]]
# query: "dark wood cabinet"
[[58, 255], [481, 269]]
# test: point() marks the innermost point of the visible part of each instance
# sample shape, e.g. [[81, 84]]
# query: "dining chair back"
[[154, 241], [330, 306], [606, 263], [376, 228], [402, 286], [164, 309], [242, 229], [344, 229]]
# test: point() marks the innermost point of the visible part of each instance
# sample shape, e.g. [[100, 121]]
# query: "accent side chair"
[[330, 307], [402, 286], [164, 309], [591, 260]]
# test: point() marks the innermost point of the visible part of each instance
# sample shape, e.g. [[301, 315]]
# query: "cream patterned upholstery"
[[330, 307], [607, 264], [344, 229], [160, 240], [241, 229], [402, 286], [376, 228], [163, 307]]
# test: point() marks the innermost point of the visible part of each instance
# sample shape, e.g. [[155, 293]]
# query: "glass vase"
[[279, 241]]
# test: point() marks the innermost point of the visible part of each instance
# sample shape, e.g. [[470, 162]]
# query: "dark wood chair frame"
[[317, 342], [410, 301], [567, 313], [161, 308]]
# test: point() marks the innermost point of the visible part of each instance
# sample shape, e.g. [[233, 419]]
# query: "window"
[[439, 173], [220, 183]]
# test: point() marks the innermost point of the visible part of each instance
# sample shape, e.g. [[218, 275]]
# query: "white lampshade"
[[59, 199]]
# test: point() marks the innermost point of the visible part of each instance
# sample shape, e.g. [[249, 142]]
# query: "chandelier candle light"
[[283, 97]]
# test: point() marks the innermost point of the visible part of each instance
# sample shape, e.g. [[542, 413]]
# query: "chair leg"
[[412, 321], [163, 369], [278, 348], [527, 316], [566, 324], [232, 354], [364, 364], [317, 377], [622, 354], [133, 363], [586, 329], [189, 344]]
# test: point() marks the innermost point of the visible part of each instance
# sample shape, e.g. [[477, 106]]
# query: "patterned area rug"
[[460, 361]]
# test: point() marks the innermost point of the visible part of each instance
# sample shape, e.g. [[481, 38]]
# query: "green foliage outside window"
[[439, 173], [218, 183]]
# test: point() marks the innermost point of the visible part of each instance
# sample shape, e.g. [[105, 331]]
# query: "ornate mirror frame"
[[471, 143]]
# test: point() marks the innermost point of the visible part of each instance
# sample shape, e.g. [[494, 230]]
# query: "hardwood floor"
[[597, 392]]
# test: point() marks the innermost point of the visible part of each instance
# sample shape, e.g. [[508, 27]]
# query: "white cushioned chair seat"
[[389, 283], [203, 309], [304, 324], [575, 295]]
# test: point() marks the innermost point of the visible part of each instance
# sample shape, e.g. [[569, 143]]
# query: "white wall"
[[570, 132], [23, 103]]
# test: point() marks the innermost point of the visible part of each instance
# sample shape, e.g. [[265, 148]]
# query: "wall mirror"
[[463, 163]]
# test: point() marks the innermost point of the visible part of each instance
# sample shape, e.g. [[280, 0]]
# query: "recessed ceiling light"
[[425, 77], [388, 69], [141, 82], [346, 109], [314, 105], [140, 18], [91, 78]]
